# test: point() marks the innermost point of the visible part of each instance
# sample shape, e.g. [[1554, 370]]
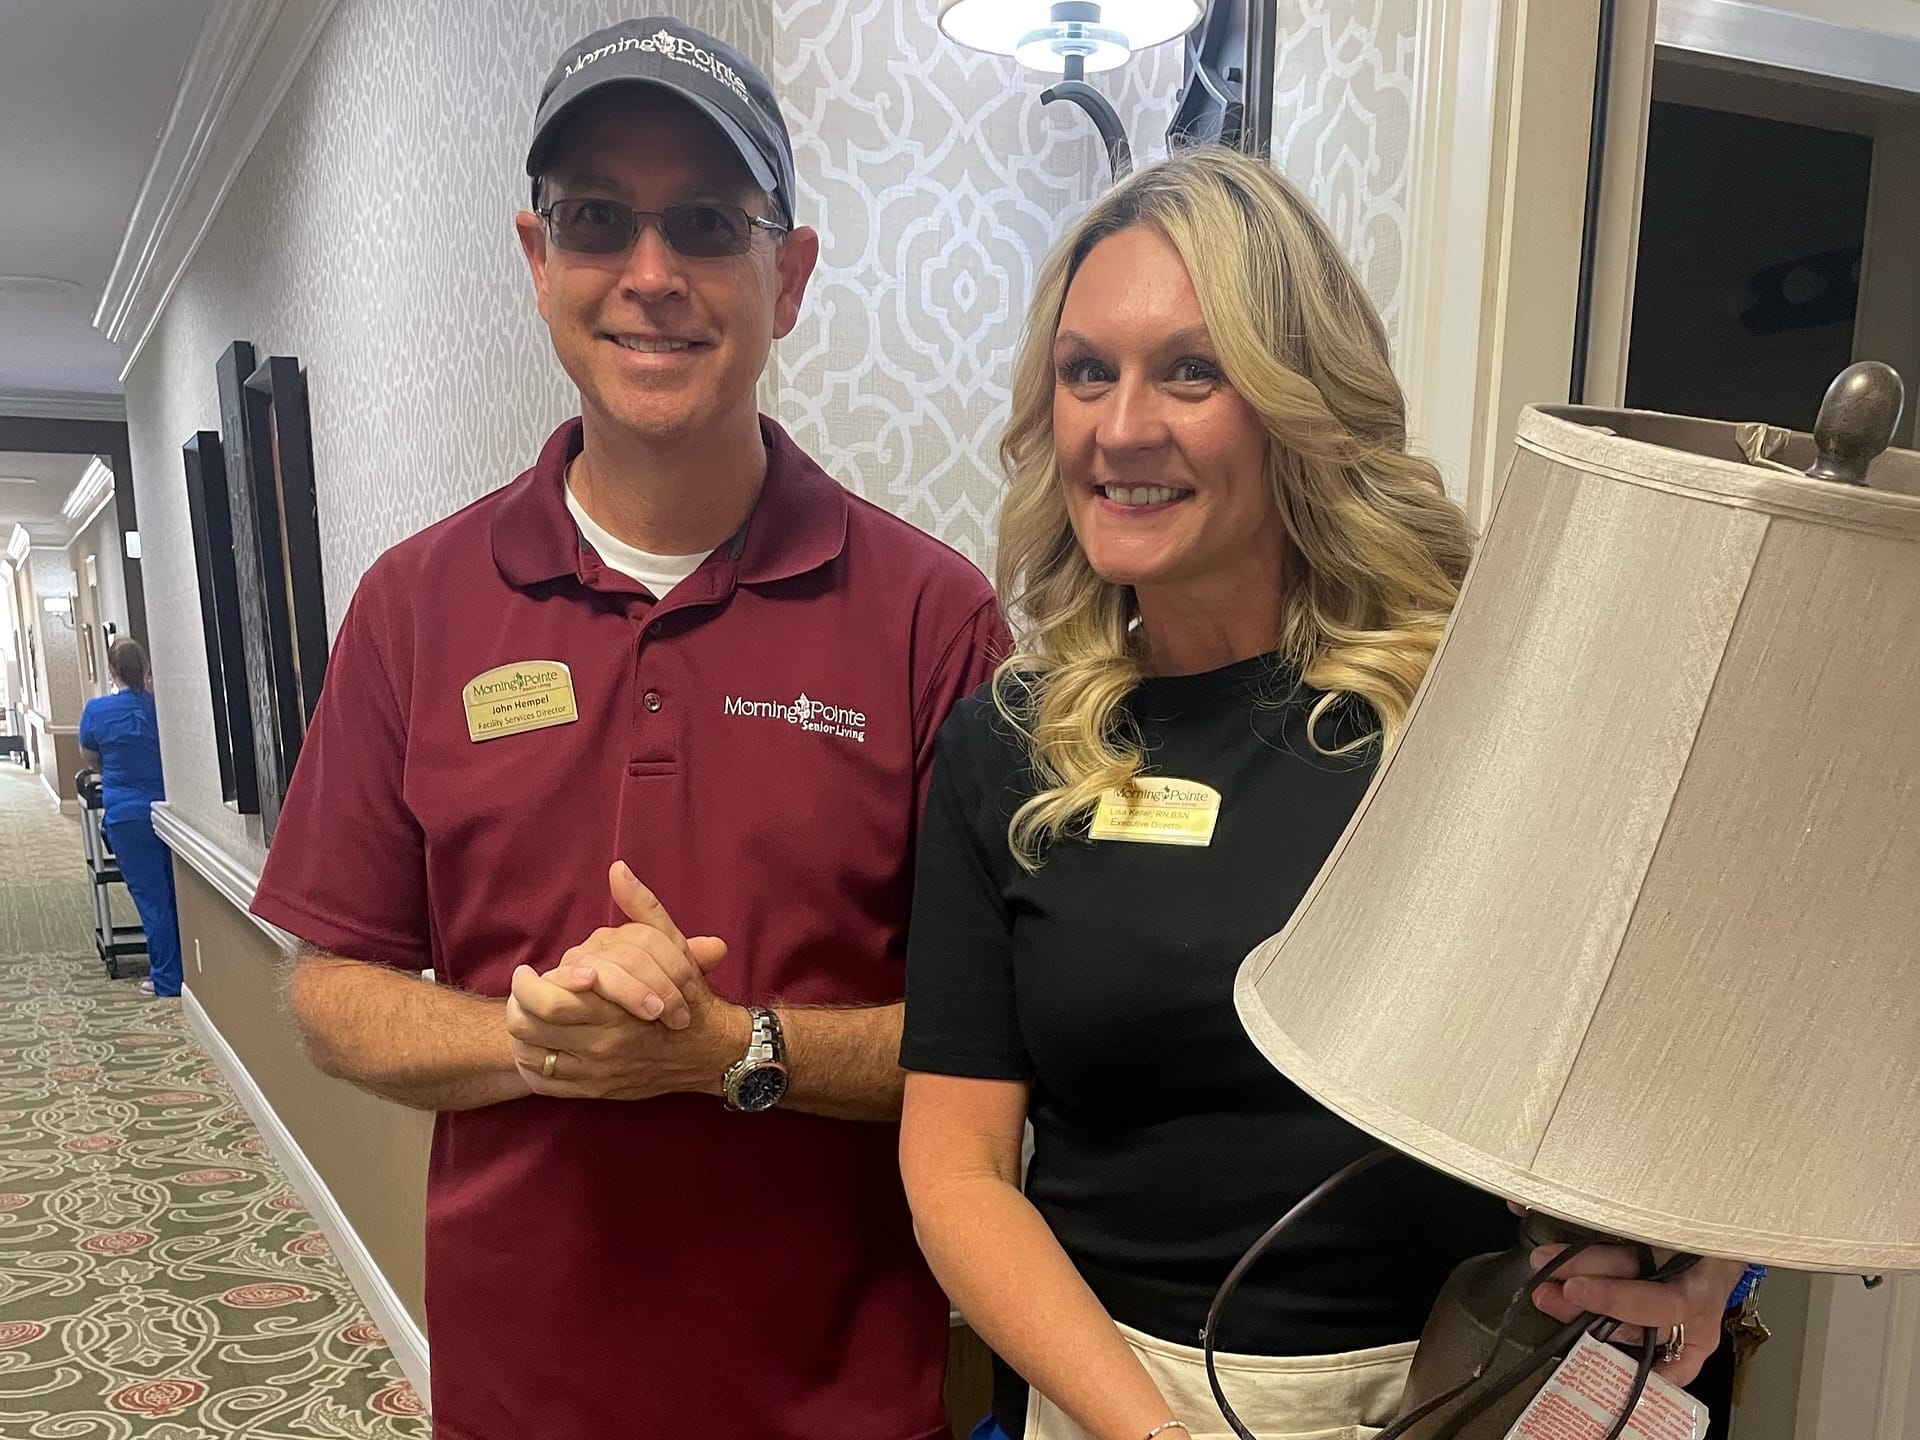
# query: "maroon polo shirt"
[[757, 746]]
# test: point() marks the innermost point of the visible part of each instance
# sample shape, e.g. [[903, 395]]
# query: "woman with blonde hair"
[[1230, 576]]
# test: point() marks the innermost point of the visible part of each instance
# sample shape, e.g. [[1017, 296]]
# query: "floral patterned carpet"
[[158, 1279]]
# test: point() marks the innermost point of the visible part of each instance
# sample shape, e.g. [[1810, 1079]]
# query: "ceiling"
[[1896, 17], [85, 89], [37, 505]]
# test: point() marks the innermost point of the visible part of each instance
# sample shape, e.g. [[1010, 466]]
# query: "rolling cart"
[[114, 942]]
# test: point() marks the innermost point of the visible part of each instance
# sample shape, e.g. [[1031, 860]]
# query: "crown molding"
[[92, 513], [92, 490], [246, 57], [62, 405]]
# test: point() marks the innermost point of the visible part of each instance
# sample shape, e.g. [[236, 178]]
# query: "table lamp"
[[1627, 927]]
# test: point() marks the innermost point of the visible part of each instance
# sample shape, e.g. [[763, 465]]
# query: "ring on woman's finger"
[[1673, 1347], [546, 1065]]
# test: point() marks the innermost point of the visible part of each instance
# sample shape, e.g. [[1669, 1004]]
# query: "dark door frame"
[[45, 436]]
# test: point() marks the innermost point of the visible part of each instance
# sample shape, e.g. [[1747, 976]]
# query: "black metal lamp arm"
[[1105, 119]]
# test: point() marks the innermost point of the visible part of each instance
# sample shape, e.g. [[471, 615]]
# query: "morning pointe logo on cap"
[[674, 47], [719, 81]]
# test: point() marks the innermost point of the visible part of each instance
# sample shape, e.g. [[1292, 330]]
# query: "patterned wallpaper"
[[1343, 117], [370, 235], [58, 635], [24, 667], [938, 182], [108, 601]]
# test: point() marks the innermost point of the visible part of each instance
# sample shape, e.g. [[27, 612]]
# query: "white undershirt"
[[659, 573]]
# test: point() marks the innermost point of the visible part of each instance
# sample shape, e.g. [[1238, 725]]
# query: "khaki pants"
[[1278, 1397]]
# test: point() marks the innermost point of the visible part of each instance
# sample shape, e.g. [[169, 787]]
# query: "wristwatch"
[[758, 1079]]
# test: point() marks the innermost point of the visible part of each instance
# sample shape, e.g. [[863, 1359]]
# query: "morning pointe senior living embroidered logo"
[[674, 47], [809, 714]]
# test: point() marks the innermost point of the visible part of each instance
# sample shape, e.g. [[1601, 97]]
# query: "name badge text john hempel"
[[814, 715], [666, 43]]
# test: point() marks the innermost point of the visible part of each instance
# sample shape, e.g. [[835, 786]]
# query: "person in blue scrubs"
[[120, 737]]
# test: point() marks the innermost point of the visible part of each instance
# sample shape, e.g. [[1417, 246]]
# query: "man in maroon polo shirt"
[[674, 643]]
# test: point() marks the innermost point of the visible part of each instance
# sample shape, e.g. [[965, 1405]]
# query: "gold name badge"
[[1157, 810], [511, 698]]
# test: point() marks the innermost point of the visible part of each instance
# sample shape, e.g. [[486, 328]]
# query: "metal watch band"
[[767, 1031], [766, 1051]]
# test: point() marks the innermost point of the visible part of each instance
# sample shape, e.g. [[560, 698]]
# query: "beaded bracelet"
[[1166, 1425], [1750, 1278]]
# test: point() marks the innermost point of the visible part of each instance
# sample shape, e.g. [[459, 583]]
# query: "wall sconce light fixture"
[[1072, 39]]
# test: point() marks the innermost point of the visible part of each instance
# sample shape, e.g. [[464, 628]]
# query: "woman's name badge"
[[1157, 810], [511, 698]]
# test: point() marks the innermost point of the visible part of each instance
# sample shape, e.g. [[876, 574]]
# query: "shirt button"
[[652, 700]]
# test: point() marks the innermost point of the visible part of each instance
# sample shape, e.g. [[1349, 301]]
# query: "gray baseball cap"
[[712, 76]]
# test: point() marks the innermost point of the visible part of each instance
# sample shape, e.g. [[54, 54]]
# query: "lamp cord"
[[1247, 1261], [1481, 1390]]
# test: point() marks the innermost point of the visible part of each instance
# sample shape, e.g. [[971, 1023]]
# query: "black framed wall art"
[[243, 439], [213, 550], [286, 500]]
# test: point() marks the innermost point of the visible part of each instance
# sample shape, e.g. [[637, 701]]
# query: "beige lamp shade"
[[1628, 926]]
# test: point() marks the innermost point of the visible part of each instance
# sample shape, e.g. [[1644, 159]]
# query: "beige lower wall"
[[59, 756], [370, 1154]]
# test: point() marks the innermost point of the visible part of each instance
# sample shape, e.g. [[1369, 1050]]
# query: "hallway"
[[158, 1279]]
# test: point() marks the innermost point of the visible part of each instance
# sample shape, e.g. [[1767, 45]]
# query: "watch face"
[[761, 1089]]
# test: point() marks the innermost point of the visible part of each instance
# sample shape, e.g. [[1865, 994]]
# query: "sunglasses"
[[703, 231]]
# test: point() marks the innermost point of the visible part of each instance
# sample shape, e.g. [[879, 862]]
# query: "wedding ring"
[[546, 1065], [1674, 1346]]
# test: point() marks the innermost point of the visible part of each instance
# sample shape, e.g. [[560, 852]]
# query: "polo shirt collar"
[[798, 524]]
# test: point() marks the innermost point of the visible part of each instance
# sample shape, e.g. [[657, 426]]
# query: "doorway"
[[1751, 237], [1736, 263], [1778, 241]]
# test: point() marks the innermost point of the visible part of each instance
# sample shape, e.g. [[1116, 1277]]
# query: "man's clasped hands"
[[626, 1014]]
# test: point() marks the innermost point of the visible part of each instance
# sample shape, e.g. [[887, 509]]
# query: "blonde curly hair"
[[1375, 550]]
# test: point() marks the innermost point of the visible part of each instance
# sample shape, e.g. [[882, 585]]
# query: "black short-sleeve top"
[[1164, 1143]]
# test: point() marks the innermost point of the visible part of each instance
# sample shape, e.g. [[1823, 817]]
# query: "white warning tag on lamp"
[[1583, 1400]]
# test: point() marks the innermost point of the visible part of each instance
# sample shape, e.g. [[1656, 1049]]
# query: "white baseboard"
[[65, 807], [407, 1340]]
